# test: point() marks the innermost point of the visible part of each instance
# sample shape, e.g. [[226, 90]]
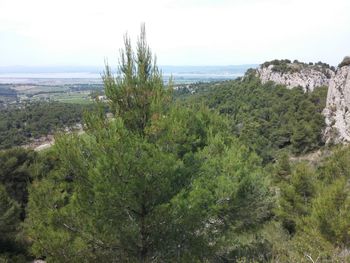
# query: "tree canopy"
[[221, 175], [158, 182]]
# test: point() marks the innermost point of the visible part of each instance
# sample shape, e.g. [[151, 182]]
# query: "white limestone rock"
[[307, 77], [337, 111]]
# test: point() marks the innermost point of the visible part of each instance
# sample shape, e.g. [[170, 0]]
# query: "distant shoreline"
[[92, 75]]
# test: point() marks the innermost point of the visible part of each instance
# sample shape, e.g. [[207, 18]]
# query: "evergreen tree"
[[15, 173], [137, 93], [157, 183], [9, 224], [9, 214]]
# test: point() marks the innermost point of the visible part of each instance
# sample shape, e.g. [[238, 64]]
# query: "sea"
[[71, 74]]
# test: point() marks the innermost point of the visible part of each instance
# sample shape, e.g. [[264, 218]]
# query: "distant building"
[[102, 98]]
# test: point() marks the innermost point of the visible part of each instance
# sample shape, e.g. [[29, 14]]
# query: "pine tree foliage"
[[138, 91], [9, 214], [157, 183]]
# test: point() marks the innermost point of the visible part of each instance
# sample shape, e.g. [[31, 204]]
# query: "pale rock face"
[[307, 78], [337, 111]]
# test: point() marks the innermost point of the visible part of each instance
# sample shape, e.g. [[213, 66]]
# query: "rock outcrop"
[[296, 74], [337, 111]]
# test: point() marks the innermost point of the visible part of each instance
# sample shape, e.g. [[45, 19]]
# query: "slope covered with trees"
[[267, 117], [313, 209], [16, 171], [20, 125], [205, 178]]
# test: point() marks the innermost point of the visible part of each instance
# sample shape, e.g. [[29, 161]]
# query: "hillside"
[[268, 117], [337, 113], [294, 74], [225, 171], [192, 168], [31, 123]]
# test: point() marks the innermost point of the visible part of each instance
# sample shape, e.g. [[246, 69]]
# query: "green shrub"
[[345, 62]]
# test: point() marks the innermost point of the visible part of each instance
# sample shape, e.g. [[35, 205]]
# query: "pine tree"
[[9, 221], [138, 92], [157, 183]]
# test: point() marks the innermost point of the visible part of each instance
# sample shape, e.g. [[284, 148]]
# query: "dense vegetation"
[[16, 169], [313, 206], [268, 118], [6, 91], [286, 66], [205, 178], [158, 183], [7, 95], [345, 62], [18, 125]]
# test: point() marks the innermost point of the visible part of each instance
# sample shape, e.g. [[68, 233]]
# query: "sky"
[[179, 32]]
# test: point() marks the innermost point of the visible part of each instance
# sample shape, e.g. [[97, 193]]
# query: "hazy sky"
[[180, 32]]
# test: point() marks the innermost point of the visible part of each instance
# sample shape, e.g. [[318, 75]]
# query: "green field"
[[80, 94]]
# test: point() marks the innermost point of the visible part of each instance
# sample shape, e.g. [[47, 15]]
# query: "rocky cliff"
[[307, 76], [337, 111]]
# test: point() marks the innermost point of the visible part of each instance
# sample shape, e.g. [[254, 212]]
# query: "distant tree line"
[[287, 66], [18, 125], [345, 62]]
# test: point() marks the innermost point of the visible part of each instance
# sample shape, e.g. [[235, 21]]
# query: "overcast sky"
[[180, 32]]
